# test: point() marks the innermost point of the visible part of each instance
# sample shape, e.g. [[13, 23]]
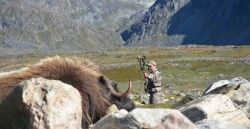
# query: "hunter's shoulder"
[[158, 72]]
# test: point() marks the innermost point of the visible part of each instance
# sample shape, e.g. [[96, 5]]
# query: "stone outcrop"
[[42, 104], [224, 86], [175, 120], [237, 89], [214, 107], [241, 97], [145, 119], [217, 124]]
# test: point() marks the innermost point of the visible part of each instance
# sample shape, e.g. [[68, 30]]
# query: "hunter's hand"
[[146, 75]]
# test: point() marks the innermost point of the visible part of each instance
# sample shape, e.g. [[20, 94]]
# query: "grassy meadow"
[[184, 68]]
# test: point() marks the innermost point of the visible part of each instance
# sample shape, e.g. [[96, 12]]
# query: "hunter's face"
[[152, 68]]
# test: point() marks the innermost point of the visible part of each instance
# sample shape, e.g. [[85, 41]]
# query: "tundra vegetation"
[[184, 68]]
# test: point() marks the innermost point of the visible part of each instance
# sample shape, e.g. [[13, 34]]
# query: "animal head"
[[122, 100]]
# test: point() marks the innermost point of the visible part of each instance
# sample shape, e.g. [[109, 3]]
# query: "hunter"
[[153, 83]]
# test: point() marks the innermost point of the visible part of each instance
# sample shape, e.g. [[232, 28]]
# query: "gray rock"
[[238, 81], [221, 86], [41, 104], [218, 124], [241, 97], [118, 120], [214, 107], [175, 120], [237, 89], [145, 119], [224, 86]]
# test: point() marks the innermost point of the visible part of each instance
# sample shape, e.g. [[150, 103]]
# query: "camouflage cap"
[[151, 63]]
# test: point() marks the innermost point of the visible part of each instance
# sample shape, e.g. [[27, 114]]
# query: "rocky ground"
[[224, 105]]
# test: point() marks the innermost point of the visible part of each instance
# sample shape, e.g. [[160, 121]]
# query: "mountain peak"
[[207, 22]]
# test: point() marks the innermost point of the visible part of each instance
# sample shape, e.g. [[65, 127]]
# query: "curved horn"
[[125, 94]]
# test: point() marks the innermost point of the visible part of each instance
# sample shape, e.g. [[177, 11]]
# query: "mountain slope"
[[175, 22], [48, 26]]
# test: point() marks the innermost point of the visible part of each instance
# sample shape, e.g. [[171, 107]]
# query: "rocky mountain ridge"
[[47, 26], [177, 22]]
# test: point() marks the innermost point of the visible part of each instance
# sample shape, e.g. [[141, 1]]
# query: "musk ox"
[[96, 90]]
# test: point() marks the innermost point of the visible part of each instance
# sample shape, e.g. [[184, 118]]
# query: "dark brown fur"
[[81, 74]]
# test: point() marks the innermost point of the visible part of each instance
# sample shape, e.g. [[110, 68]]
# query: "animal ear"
[[103, 80]]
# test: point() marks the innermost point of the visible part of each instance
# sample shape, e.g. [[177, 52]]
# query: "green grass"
[[162, 105], [184, 68]]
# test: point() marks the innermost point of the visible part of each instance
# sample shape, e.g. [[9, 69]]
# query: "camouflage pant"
[[156, 98]]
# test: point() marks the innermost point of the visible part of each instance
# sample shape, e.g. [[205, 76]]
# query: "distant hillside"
[[48, 26], [176, 22], [56, 26]]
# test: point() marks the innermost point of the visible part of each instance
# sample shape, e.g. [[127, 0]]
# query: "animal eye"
[[102, 80]]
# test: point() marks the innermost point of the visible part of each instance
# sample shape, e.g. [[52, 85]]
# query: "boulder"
[[175, 120], [219, 87], [215, 107], [140, 118], [218, 124], [42, 104], [237, 89], [224, 86], [241, 97]]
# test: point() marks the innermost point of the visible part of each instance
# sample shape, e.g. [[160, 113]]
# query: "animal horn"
[[125, 94]]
